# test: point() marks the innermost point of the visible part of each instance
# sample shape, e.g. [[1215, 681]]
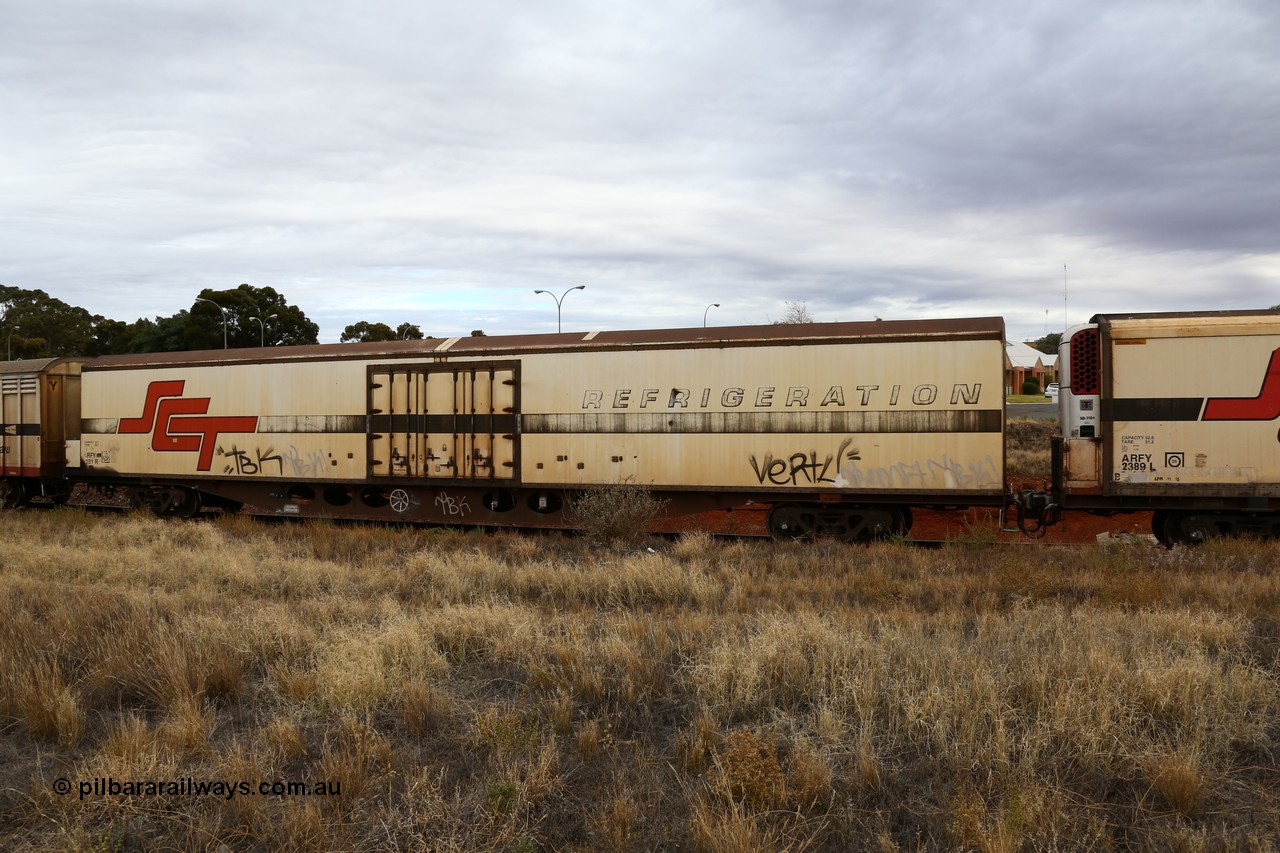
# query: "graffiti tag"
[[246, 462], [449, 505], [938, 473], [802, 467]]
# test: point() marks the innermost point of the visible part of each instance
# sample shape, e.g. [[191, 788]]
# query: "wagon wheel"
[[58, 492], [189, 504], [789, 521], [175, 501], [1189, 528], [1160, 527], [866, 524], [13, 493]]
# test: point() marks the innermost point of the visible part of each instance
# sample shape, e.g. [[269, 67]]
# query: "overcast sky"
[[436, 162]]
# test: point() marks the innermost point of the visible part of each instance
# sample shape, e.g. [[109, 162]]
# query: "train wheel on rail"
[[174, 502], [789, 521], [849, 523], [1159, 521], [1187, 528], [58, 492], [13, 493], [868, 524]]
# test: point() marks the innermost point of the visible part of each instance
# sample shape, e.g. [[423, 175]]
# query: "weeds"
[[620, 514]]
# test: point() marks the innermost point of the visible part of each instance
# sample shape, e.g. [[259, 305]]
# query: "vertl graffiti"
[[791, 470]]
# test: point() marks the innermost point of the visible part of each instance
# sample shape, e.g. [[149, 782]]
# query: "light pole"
[[224, 317], [704, 313], [560, 300], [262, 328], [11, 331]]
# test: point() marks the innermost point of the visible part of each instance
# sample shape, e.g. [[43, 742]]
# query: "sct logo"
[[175, 422], [1264, 407]]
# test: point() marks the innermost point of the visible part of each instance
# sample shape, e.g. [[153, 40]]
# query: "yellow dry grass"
[[473, 692]]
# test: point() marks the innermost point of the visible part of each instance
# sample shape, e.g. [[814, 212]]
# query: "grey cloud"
[[865, 156]]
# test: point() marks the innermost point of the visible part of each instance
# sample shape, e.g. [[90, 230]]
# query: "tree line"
[[37, 325]]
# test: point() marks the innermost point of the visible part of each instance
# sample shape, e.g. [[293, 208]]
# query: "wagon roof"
[[1191, 325], [970, 328], [34, 365]]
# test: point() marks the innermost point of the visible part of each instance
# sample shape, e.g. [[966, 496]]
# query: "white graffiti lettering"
[[939, 473], [449, 505]]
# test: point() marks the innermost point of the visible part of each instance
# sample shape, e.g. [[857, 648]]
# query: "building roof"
[[1025, 356]]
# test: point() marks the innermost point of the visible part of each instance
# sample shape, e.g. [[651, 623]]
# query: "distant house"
[[1023, 362]]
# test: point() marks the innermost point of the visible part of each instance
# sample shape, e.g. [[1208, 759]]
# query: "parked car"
[[1051, 391]]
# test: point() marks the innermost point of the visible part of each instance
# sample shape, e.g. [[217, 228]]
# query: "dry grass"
[[472, 692]]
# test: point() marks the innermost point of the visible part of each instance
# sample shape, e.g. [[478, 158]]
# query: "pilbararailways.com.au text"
[[189, 787]]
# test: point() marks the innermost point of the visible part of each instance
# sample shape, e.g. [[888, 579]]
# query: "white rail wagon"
[[1174, 413], [841, 427]]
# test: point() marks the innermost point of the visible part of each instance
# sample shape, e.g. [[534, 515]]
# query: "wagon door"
[[20, 416], [444, 421]]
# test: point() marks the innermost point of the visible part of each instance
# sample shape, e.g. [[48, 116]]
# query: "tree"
[[796, 312], [163, 334], [111, 337], [478, 333], [364, 332], [1049, 343], [36, 324], [289, 326]]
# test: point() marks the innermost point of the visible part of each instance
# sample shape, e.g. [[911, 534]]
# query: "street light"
[[11, 331], [704, 313], [262, 328], [224, 317], [560, 300]]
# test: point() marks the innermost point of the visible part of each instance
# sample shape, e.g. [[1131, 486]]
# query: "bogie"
[[1185, 527], [14, 492], [848, 522]]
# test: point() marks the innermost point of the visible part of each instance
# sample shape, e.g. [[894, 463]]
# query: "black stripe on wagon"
[[461, 424], [1154, 409], [311, 423], [20, 429], [266, 424], [984, 420]]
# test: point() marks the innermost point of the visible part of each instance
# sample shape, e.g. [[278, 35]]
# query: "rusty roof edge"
[[36, 365], [719, 336], [1187, 315]]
